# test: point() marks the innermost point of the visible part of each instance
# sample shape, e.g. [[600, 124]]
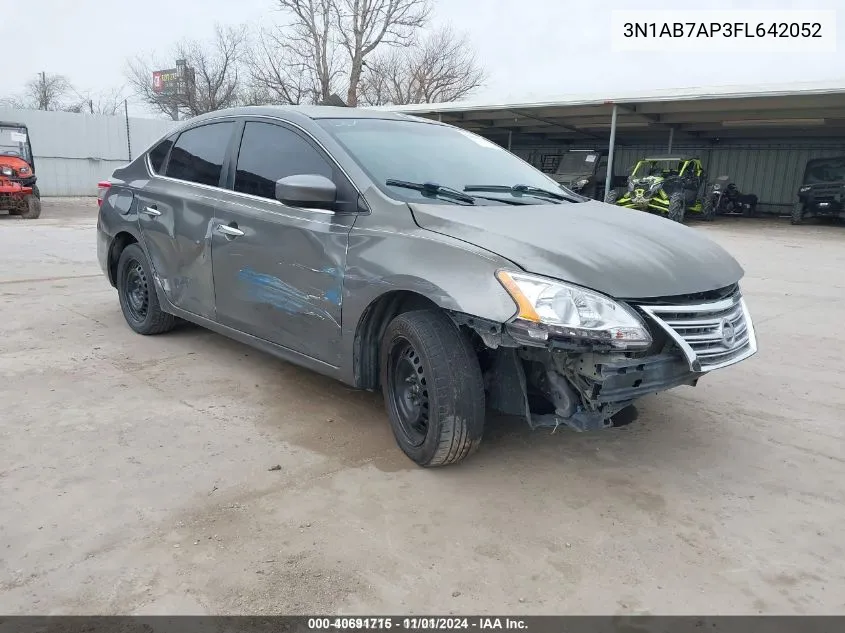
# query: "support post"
[[128, 139], [510, 138], [671, 138], [611, 146]]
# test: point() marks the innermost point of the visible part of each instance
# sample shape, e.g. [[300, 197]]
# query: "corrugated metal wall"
[[773, 169], [75, 151]]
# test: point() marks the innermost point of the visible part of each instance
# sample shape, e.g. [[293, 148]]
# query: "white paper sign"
[[591, 158], [17, 137]]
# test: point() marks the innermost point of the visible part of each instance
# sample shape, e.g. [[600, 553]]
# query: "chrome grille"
[[711, 334]]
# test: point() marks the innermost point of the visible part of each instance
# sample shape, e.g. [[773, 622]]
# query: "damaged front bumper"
[[558, 382]]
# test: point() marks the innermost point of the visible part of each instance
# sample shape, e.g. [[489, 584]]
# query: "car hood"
[[621, 252]]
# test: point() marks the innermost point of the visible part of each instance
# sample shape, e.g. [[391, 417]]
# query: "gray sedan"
[[414, 257]]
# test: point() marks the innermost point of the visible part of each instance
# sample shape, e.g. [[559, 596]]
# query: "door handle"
[[151, 211], [232, 231]]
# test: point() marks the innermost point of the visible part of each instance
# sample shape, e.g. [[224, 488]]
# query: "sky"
[[531, 49]]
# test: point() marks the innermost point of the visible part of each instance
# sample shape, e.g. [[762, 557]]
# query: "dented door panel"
[[175, 221], [282, 280]]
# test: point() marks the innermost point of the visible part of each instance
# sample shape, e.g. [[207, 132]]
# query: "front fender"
[[450, 273]]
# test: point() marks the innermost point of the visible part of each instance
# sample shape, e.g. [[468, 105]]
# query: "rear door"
[[279, 274], [176, 210]]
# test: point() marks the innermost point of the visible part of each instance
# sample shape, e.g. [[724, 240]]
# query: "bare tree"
[[356, 27], [281, 72], [365, 24], [215, 78], [300, 61], [442, 67], [108, 102], [46, 91]]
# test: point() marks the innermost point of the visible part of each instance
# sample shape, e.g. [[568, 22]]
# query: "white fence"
[[75, 151]]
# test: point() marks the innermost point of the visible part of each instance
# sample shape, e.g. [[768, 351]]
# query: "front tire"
[[32, 208], [677, 207], [433, 388], [708, 211], [138, 299], [797, 214]]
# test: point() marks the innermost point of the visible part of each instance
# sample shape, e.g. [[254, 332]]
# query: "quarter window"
[[270, 152], [159, 153], [198, 154]]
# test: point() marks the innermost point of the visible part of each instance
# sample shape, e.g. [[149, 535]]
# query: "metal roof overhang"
[[698, 115]]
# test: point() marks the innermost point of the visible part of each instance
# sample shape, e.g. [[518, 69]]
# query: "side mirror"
[[307, 190]]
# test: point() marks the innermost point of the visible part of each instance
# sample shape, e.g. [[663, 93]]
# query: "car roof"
[[312, 112]]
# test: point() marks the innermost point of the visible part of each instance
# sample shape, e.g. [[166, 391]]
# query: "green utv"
[[670, 186]]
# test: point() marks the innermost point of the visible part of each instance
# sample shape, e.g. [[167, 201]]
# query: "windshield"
[[13, 143], [661, 168], [825, 170], [577, 163], [429, 153]]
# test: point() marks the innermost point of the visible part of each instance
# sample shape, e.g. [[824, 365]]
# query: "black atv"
[[669, 186], [724, 198], [822, 193], [584, 172]]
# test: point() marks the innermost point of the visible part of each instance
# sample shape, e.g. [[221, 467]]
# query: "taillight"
[[102, 189]]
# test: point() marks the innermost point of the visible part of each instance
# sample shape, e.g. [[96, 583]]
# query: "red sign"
[[165, 81]]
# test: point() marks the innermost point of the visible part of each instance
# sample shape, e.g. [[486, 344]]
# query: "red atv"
[[19, 194]]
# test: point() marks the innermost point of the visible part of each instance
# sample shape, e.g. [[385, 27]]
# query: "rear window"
[[198, 154]]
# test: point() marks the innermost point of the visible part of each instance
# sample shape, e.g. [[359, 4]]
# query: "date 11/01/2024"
[[783, 30], [416, 623]]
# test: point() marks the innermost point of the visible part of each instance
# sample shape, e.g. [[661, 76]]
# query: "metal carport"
[[786, 116]]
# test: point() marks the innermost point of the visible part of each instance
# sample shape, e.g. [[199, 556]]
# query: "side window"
[[159, 153], [270, 152], [199, 152]]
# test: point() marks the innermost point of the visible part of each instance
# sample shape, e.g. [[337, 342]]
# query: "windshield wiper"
[[537, 192], [432, 189]]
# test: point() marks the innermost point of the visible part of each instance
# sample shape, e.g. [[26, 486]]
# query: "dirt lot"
[[136, 473]]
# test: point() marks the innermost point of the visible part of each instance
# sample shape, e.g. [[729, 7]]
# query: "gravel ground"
[[137, 474]]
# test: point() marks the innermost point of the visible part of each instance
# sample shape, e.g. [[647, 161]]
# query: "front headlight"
[[7, 171], [804, 189], [582, 182], [553, 308]]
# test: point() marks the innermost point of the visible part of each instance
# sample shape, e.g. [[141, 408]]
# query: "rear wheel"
[[31, 209], [677, 207], [433, 389], [136, 292], [797, 213]]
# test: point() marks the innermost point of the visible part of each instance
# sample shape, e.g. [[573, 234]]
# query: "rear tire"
[[677, 207], [797, 214], [611, 197], [136, 291], [32, 208], [433, 388]]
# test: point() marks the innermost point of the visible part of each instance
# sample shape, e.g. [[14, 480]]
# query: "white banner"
[[724, 31]]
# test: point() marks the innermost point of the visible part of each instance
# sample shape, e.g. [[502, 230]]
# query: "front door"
[[175, 214], [279, 270]]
